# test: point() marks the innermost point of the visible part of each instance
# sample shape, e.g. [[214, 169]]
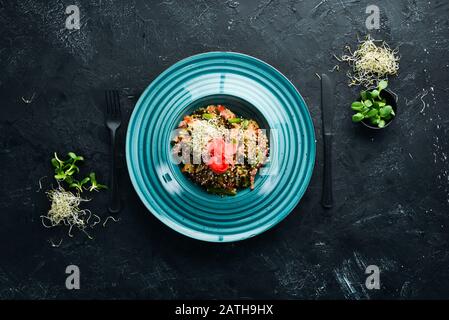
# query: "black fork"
[[113, 122]]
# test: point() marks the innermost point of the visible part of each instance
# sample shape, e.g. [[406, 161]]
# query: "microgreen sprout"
[[65, 170], [372, 61], [373, 107], [65, 204], [94, 185]]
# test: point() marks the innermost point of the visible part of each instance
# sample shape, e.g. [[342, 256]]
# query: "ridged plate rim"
[[147, 198]]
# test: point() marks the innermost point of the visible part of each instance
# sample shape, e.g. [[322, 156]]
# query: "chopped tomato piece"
[[188, 119], [217, 165], [222, 154]]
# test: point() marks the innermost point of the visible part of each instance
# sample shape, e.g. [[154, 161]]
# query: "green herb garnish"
[[94, 185], [65, 171], [208, 116], [373, 107], [234, 120]]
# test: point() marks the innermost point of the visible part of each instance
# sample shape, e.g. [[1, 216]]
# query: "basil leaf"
[[368, 103], [55, 163], [372, 113], [93, 179], [101, 186], [375, 120], [72, 155], [84, 181], [368, 95], [357, 106], [374, 94], [70, 172], [383, 84], [381, 123], [357, 117], [385, 111]]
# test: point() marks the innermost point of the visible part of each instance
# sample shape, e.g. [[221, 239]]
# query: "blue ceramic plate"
[[249, 87]]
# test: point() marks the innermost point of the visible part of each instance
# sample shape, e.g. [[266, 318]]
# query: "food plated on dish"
[[219, 150], [240, 91]]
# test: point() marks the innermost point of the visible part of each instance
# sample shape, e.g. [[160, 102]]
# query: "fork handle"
[[114, 196]]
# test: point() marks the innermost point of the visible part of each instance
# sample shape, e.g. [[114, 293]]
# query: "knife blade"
[[327, 111]]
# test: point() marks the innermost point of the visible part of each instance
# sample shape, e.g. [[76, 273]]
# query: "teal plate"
[[249, 87]]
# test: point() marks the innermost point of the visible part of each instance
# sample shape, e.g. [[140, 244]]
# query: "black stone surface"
[[391, 187]]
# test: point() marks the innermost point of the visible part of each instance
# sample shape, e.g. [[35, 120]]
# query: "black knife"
[[327, 110]]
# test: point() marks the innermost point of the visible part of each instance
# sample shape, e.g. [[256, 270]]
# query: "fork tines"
[[112, 102]]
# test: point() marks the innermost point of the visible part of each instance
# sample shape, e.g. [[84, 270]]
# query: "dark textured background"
[[391, 187]]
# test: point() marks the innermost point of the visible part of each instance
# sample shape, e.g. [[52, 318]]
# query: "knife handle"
[[328, 199]]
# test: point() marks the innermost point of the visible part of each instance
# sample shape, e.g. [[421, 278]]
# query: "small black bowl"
[[391, 99]]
